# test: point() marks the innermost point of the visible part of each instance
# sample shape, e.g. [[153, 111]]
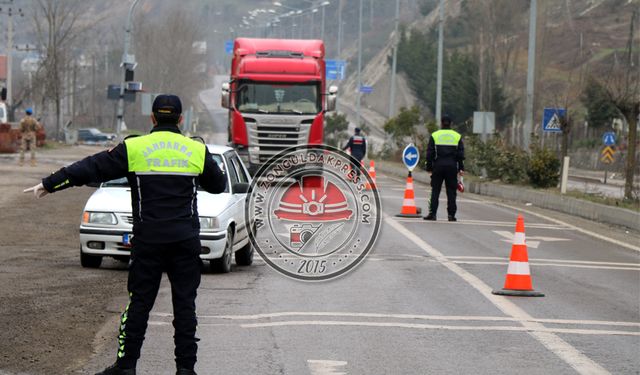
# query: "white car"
[[107, 221]]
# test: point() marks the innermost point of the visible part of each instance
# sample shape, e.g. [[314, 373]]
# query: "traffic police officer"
[[164, 169], [357, 145], [28, 128], [445, 156]]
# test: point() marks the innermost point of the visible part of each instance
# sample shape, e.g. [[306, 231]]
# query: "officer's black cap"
[[357, 130], [167, 105], [446, 119]]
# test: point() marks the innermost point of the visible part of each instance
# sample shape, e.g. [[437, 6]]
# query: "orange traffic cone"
[[409, 208], [372, 173], [518, 282]]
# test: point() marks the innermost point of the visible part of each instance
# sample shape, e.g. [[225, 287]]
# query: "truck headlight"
[[254, 154], [106, 218], [208, 223]]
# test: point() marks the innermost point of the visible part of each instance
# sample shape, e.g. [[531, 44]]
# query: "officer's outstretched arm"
[[212, 179], [100, 167]]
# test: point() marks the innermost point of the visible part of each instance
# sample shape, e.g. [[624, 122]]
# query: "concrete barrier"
[[568, 205]]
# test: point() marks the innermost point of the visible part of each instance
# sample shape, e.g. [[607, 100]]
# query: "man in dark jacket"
[[357, 145], [445, 156], [164, 169]]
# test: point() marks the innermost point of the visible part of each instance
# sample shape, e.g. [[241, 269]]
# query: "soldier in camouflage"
[[28, 128]]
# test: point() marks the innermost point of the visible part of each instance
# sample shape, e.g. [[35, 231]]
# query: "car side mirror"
[[332, 98], [241, 188], [226, 94]]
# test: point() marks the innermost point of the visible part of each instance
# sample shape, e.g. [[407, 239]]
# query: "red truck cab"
[[276, 96]]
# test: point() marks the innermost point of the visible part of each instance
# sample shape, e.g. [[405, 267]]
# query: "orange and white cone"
[[372, 173], [409, 208], [518, 281]]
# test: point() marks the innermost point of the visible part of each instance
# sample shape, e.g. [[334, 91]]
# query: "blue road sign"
[[366, 89], [609, 138], [551, 119], [228, 47], [410, 157], [335, 69]]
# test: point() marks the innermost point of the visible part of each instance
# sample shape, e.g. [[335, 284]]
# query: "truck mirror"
[[224, 99], [332, 98]]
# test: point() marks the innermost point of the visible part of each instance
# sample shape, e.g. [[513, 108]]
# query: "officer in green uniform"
[[164, 170], [445, 157]]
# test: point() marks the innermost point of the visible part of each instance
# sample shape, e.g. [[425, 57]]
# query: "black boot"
[[452, 218], [184, 371], [430, 217], [115, 370]]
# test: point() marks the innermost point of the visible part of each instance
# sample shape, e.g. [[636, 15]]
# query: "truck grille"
[[273, 137]]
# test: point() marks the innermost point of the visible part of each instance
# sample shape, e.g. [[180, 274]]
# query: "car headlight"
[[107, 218], [208, 223]]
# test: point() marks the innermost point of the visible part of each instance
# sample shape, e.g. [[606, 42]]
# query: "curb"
[[568, 205]]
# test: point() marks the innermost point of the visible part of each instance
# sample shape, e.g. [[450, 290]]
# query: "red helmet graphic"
[[313, 199]]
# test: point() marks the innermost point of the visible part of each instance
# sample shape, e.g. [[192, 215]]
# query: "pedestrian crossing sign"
[[552, 119]]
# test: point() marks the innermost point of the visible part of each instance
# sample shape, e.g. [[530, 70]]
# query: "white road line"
[[546, 260], [574, 227], [549, 265], [531, 330], [287, 314], [324, 367], [551, 341], [485, 223]]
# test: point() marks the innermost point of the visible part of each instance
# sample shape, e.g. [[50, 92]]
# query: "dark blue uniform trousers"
[[181, 262]]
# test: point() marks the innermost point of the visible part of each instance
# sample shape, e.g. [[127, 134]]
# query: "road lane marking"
[[486, 223], [531, 330], [324, 367], [288, 314], [532, 241], [551, 260], [574, 227], [550, 265], [578, 361]]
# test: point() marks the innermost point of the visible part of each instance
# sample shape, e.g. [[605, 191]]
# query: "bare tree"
[[55, 22]]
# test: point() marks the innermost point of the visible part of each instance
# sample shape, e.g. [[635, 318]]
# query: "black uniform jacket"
[[164, 207]]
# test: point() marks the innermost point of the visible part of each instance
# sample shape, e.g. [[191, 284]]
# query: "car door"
[[236, 210]]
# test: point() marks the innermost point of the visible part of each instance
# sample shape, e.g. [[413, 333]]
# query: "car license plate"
[[126, 239]]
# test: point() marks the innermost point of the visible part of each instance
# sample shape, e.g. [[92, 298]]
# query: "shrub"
[[498, 160], [544, 168]]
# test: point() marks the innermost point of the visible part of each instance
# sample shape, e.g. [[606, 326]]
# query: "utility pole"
[[440, 54], [394, 64], [340, 27], [359, 94], [528, 120], [10, 12], [128, 61]]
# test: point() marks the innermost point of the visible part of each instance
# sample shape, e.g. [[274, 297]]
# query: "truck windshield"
[[279, 98]]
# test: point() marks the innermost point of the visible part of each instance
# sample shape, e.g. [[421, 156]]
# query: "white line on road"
[[288, 314], [324, 367], [539, 329], [551, 260], [551, 341], [550, 265], [486, 223]]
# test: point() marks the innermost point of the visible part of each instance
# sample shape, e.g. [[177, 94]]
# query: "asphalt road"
[[421, 303]]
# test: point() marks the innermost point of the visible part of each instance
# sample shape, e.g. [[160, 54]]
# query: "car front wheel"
[[90, 261], [223, 264]]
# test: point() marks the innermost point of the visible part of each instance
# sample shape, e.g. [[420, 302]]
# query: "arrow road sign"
[[532, 242], [607, 155], [551, 119], [609, 138], [410, 157]]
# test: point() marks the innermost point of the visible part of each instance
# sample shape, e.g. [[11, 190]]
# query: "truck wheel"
[[223, 264], [90, 261]]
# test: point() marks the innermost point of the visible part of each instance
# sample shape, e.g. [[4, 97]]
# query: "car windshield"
[[279, 98], [120, 182]]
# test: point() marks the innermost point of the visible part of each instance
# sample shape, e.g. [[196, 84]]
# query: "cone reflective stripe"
[[518, 280], [409, 208], [372, 173]]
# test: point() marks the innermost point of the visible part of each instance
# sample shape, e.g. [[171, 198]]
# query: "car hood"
[[119, 200]]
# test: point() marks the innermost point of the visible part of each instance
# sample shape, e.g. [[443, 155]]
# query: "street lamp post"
[[359, 94], [323, 5], [128, 61], [440, 55], [394, 65], [10, 14]]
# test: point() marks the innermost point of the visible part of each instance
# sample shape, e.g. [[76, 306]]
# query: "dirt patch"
[[51, 307]]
